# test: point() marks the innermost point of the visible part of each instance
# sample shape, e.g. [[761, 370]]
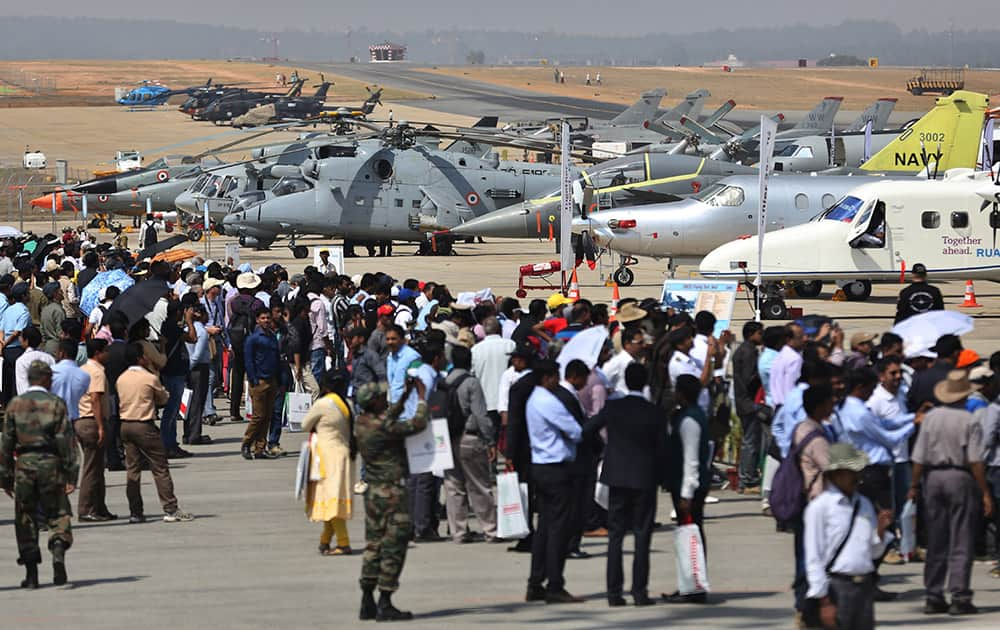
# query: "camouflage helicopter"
[[396, 184]]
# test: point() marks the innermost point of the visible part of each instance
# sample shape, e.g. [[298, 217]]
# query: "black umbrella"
[[139, 299], [162, 246]]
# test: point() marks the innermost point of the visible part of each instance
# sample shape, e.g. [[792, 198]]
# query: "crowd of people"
[[572, 396]]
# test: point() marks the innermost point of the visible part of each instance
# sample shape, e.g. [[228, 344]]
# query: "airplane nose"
[[45, 201], [514, 222], [185, 202]]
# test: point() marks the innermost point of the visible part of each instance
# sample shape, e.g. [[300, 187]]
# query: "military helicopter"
[[233, 106], [204, 97], [303, 108], [395, 185]]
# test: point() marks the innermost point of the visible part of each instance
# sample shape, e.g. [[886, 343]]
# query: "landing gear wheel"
[[809, 289], [300, 251], [194, 235], [773, 309], [858, 291], [623, 277]]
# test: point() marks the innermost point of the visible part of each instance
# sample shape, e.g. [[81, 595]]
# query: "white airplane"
[[877, 232]]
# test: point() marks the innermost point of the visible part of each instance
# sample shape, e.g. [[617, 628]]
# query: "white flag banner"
[[83, 200], [768, 130], [868, 141], [986, 153], [566, 255]]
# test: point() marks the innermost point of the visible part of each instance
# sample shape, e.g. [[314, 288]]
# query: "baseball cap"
[[919, 269], [19, 290], [947, 345], [385, 309], [967, 358], [556, 300]]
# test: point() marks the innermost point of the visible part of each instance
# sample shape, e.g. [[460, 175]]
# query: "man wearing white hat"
[[241, 325], [843, 537]]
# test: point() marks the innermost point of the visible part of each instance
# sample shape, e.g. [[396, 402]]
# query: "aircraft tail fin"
[[690, 107], [296, 89], [948, 135], [719, 114], [642, 110], [324, 87], [878, 113], [488, 122], [820, 119]]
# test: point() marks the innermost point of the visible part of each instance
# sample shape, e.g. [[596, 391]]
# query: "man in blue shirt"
[[554, 434], [793, 412], [876, 438], [263, 361], [69, 382], [199, 359], [15, 319], [398, 362]]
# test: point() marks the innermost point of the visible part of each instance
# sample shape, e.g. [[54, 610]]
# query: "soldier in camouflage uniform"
[[380, 435], [38, 432]]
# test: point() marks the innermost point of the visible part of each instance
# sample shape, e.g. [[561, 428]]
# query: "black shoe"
[[247, 454], [885, 596], [520, 547], [135, 519], [429, 537], [202, 440], [690, 598], [387, 612], [616, 600], [935, 607], [561, 597], [108, 516], [264, 455], [963, 608], [30, 576], [116, 467], [578, 555], [368, 607], [535, 594], [643, 600], [178, 453], [471, 537]]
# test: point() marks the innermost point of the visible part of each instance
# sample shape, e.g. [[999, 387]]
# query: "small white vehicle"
[[33, 160], [128, 161]]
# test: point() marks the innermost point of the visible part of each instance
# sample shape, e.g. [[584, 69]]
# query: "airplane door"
[[869, 238]]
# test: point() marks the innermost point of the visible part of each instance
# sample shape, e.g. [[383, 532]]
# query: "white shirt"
[[264, 297], [888, 407], [507, 328], [489, 360], [785, 372], [23, 363], [421, 301], [404, 315], [156, 317], [508, 378], [690, 432], [827, 519], [681, 363], [614, 370]]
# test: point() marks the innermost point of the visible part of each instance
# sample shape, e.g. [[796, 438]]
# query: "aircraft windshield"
[[788, 151], [722, 195], [160, 163], [844, 210], [288, 186], [618, 174]]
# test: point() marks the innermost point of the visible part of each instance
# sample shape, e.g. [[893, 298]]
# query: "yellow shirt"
[[98, 385], [139, 394]]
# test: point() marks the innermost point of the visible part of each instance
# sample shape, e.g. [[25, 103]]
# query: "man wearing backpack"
[[241, 325], [809, 456], [473, 444]]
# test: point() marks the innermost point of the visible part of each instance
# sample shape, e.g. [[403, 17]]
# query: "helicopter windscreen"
[[844, 210], [289, 186], [248, 199]]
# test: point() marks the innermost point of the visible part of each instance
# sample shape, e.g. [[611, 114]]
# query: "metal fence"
[[18, 186], [22, 81]]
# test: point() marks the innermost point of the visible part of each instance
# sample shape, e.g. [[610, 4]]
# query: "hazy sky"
[[578, 16]]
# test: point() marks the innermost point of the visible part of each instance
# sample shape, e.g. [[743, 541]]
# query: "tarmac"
[[249, 559]]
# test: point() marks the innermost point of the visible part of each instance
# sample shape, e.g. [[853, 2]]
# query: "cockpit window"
[[288, 186], [618, 174], [246, 200], [160, 163], [845, 210], [199, 183], [723, 195], [788, 151]]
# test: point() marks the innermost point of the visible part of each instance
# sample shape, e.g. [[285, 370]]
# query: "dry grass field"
[[93, 82], [767, 89]]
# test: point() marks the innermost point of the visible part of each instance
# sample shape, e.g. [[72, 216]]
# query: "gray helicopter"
[[397, 186]]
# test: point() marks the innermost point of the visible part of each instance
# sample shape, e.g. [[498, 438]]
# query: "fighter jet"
[[391, 187], [625, 181]]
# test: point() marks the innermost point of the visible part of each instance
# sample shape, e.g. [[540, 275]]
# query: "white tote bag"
[[511, 507], [602, 493], [908, 525], [185, 402], [297, 405], [689, 549]]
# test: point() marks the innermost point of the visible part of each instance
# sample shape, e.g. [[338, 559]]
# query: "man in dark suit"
[[636, 444]]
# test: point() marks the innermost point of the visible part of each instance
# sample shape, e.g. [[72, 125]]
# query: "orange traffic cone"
[[970, 296], [574, 287], [615, 296]]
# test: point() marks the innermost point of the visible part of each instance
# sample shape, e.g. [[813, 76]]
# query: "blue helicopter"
[[152, 94]]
